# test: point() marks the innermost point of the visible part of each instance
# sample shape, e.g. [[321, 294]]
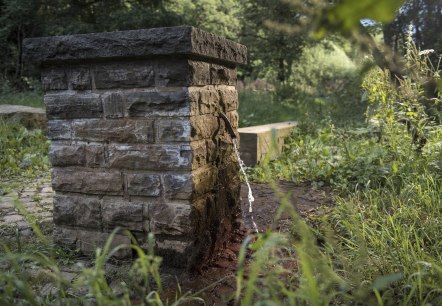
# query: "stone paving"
[[27, 204]]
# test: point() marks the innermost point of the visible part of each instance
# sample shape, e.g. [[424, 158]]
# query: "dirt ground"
[[217, 277]]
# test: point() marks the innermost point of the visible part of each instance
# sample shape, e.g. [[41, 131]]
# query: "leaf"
[[349, 13], [385, 281]]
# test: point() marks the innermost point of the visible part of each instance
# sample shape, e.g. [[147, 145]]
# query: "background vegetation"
[[367, 97]]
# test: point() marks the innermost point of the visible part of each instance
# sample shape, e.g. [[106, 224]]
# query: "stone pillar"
[[136, 140]]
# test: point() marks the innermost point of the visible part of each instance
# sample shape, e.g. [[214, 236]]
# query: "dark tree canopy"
[[425, 16]]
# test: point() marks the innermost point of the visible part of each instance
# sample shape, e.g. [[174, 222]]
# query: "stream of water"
[[250, 194]]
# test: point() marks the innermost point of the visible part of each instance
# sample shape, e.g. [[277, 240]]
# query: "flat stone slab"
[[30, 117], [182, 40], [256, 142]]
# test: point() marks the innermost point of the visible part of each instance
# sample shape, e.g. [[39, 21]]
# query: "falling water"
[[250, 195]]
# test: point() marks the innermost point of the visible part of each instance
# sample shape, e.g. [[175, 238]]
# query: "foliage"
[[31, 97], [254, 108], [23, 152], [426, 19], [272, 52], [380, 244], [325, 83], [25, 270]]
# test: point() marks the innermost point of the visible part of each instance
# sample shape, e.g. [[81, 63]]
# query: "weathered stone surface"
[[173, 130], [69, 106], [114, 130], [82, 211], [228, 98], [80, 78], [124, 75], [204, 179], [173, 245], [178, 186], [204, 127], [30, 117], [59, 130], [88, 241], [113, 105], [173, 72], [199, 73], [204, 99], [170, 219], [199, 154], [164, 102], [116, 212], [142, 184], [222, 75], [89, 182], [150, 157], [183, 40], [76, 155], [256, 141], [54, 78], [65, 236]]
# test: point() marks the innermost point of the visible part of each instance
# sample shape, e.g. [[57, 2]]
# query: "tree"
[[425, 16], [271, 49]]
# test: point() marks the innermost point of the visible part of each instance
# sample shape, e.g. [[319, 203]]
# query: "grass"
[[33, 96], [23, 153], [29, 98]]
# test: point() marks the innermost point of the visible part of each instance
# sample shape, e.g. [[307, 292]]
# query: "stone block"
[[204, 179], [70, 106], [89, 241], [178, 186], [73, 210], [170, 219], [178, 246], [114, 130], [118, 212], [222, 75], [59, 130], [204, 127], [173, 130], [199, 73], [149, 157], [257, 141], [54, 78], [124, 74], [172, 72], [86, 181], [76, 155], [113, 105], [228, 98], [80, 78], [172, 102], [199, 154], [143, 184], [65, 236], [204, 100]]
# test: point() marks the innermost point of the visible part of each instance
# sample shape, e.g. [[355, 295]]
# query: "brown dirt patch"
[[217, 276]]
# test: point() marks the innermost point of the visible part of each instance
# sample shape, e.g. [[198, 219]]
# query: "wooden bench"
[[256, 141]]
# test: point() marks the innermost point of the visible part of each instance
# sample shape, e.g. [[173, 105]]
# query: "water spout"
[[241, 165], [228, 125]]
